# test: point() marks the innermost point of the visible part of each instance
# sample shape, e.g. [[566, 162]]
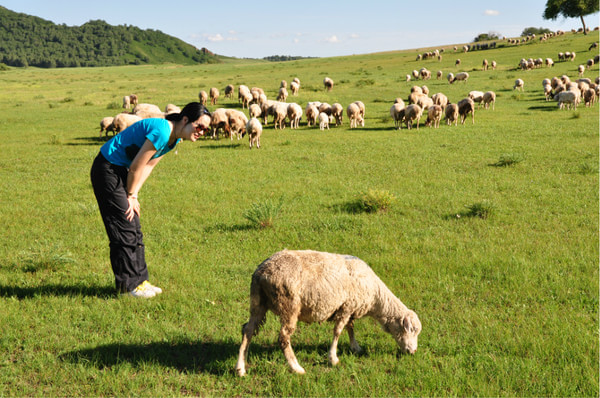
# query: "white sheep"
[[203, 97], [170, 108], [323, 121], [242, 90], [237, 123], [548, 92], [283, 84], [147, 111], [439, 74], [489, 97], [311, 286], [451, 114], [466, 106], [462, 76], [476, 96], [440, 99], [295, 87], [294, 113], [254, 110], [549, 62], [220, 121], [328, 83], [494, 65], [254, 130], [337, 112], [214, 95], [397, 113], [124, 120], [130, 100], [282, 95], [568, 99], [312, 114], [589, 97], [279, 112], [519, 85], [361, 107], [353, 112], [424, 102], [590, 63], [413, 112], [485, 64], [106, 125], [126, 102], [581, 70], [434, 115]]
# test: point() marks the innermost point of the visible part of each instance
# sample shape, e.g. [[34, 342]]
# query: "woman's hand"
[[133, 209]]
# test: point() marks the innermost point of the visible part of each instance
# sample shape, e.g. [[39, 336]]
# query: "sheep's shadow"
[[215, 145], [222, 227], [89, 141], [21, 292], [542, 108], [185, 356]]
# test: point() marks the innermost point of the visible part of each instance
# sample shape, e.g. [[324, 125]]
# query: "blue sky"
[[258, 29]]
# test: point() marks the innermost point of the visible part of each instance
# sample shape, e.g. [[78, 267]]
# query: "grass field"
[[508, 302]]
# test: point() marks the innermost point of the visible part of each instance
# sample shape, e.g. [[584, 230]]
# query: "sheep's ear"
[[407, 324]]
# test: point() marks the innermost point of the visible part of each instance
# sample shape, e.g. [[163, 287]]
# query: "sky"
[[257, 29]]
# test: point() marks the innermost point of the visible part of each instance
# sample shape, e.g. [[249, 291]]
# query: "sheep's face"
[[405, 331]]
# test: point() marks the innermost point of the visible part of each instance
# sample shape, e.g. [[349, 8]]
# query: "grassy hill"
[[31, 41], [500, 262]]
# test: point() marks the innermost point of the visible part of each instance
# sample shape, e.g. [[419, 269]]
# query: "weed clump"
[[374, 201], [262, 215], [483, 209], [509, 159]]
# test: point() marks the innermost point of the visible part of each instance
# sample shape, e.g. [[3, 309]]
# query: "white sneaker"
[[150, 286], [143, 291]]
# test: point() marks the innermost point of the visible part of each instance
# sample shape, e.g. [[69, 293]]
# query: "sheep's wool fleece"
[[321, 283]]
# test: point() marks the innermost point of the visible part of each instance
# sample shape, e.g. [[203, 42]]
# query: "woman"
[[118, 173]]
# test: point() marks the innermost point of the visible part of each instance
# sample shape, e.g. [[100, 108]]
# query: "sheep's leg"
[[257, 316], [288, 326], [353, 344]]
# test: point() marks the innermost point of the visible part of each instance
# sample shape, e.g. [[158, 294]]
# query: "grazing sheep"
[[397, 113], [452, 114], [328, 83], [214, 95], [283, 84], [424, 74], [581, 70], [439, 75], [294, 113], [424, 102], [415, 74], [133, 99], [494, 65], [425, 90], [124, 120], [220, 121], [361, 107], [325, 108], [489, 97], [254, 110], [254, 130], [311, 286], [485, 64], [549, 62], [466, 106], [282, 95], [353, 112], [229, 89], [462, 76], [237, 123], [323, 121], [297, 81], [434, 115], [450, 77], [412, 112], [589, 97], [170, 108], [519, 85], [312, 114], [568, 98], [106, 125], [457, 62], [256, 94], [440, 99], [246, 97], [126, 102], [407, 78], [242, 90], [279, 112], [476, 96], [337, 112], [203, 97], [147, 110], [295, 87], [548, 92]]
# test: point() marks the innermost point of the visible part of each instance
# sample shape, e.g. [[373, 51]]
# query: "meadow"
[[508, 298]]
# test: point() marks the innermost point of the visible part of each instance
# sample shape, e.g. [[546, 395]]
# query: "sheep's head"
[[405, 330]]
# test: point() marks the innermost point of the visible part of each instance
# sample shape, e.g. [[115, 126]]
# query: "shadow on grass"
[[89, 141], [190, 356], [21, 292], [215, 145], [221, 227], [542, 108]]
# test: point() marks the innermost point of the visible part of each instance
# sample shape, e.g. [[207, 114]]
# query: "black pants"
[[126, 240]]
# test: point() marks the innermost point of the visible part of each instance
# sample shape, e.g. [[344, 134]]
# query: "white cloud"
[[296, 40], [214, 38], [354, 36], [332, 39], [491, 13]]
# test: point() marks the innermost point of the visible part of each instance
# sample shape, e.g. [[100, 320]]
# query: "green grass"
[[509, 303]]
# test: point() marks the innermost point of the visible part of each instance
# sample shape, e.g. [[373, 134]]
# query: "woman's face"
[[193, 131]]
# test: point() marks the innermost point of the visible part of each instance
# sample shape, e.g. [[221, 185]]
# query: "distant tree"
[[487, 36], [570, 9], [535, 31]]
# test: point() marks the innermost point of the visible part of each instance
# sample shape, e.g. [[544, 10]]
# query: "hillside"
[[27, 40]]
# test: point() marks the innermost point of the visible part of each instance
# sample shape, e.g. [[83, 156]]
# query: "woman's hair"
[[193, 111]]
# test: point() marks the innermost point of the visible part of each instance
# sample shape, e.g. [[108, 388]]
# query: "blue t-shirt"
[[123, 147]]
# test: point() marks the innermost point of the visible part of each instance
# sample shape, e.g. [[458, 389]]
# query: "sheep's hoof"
[[241, 372], [299, 370]]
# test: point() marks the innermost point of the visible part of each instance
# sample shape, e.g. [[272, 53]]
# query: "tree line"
[[31, 41]]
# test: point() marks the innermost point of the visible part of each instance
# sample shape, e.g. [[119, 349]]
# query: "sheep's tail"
[[258, 308]]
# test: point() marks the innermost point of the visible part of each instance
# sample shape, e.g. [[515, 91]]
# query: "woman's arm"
[[140, 169]]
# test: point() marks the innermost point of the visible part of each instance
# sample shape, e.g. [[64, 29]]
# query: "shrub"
[[509, 159], [263, 214], [482, 209], [374, 201]]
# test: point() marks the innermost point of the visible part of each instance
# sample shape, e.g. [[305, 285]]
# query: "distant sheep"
[[439, 74], [549, 62], [106, 125], [494, 65], [124, 120], [337, 112], [312, 114], [328, 83], [476, 96], [294, 113], [567, 99], [170, 108], [466, 106], [220, 122], [440, 99], [203, 97], [589, 97], [229, 89], [581, 70], [489, 97], [214, 95], [311, 286], [282, 95], [485, 64], [519, 85], [237, 123], [254, 110], [412, 113], [294, 87], [451, 114], [361, 107], [462, 77], [147, 111], [434, 115], [353, 112], [397, 113], [324, 121], [254, 131]]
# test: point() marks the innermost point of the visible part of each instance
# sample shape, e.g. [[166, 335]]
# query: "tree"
[[534, 31], [570, 9], [487, 36]]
